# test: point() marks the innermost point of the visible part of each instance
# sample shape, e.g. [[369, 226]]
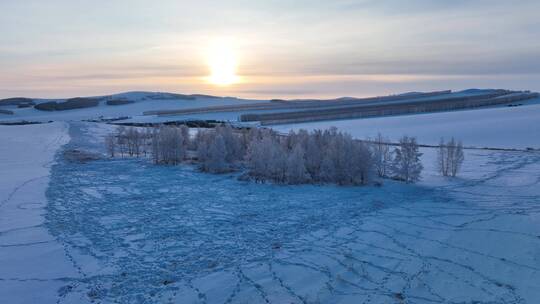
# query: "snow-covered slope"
[[176, 235], [142, 102], [501, 127], [494, 127]]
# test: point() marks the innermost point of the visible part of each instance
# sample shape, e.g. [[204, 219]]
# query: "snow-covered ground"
[[500, 127], [33, 265], [125, 231]]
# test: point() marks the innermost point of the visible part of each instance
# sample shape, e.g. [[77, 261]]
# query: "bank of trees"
[[321, 156], [301, 157]]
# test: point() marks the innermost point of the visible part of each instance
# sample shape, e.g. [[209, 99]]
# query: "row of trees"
[[397, 162], [327, 156]]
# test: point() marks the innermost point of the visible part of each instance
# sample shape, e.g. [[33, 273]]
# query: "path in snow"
[[173, 235]]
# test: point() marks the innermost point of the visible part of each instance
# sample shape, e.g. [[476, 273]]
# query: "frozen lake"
[[139, 233]]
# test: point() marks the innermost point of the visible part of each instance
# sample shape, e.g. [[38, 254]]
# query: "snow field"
[[32, 264], [174, 235], [503, 127]]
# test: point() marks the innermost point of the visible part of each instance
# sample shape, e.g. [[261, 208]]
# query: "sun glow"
[[222, 62]]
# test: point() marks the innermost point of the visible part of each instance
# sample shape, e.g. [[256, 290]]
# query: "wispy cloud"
[[129, 44]]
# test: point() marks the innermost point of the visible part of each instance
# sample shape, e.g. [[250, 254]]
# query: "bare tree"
[[458, 158], [121, 139], [442, 158], [382, 156], [134, 141], [450, 157], [147, 140], [110, 144]]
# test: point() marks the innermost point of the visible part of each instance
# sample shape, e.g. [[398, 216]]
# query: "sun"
[[222, 62]]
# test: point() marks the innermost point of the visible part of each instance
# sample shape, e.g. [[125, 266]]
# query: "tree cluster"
[[128, 142], [301, 157], [219, 150], [169, 144]]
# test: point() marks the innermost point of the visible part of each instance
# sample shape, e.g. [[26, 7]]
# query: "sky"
[[281, 48]]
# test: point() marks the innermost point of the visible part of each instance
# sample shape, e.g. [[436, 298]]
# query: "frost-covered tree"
[[362, 164], [406, 164], [296, 172], [203, 140], [314, 155], [234, 148], [168, 145], [258, 158], [277, 162], [328, 170], [320, 157], [216, 154], [121, 140]]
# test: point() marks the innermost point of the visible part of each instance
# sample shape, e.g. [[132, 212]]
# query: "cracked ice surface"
[[173, 235], [124, 231]]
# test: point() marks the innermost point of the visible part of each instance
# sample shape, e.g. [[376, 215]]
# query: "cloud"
[[128, 42]]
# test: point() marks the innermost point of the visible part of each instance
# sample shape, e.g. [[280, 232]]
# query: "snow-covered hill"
[[512, 125], [139, 102], [501, 127]]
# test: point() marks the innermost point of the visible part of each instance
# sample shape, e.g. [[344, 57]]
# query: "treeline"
[[69, 104], [320, 157]]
